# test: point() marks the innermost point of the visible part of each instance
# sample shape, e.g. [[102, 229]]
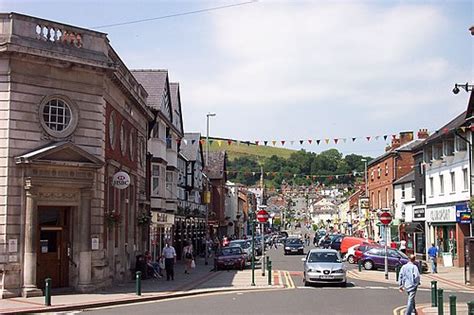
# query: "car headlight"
[[338, 271], [287, 248], [301, 247], [310, 270]]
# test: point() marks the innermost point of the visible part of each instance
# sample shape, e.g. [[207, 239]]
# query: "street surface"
[[359, 297]]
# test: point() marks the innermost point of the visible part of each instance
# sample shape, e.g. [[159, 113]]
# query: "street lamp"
[[466, 87], [207, 165]]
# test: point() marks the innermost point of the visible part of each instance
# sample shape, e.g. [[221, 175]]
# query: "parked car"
[[246, 246], [294, 246], [361, 249], [326, 241], [350, 255], [349, 241], [324, 266], [336, 242], [230, 257], [375, 258]]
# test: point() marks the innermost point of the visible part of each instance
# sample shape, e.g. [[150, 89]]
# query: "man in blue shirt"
[[409, 281], [433, 255]]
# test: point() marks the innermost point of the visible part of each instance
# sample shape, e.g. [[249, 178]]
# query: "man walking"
[[433, 255], [409, 282], [169, 253]]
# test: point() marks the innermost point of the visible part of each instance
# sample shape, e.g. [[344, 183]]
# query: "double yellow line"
[[289, 281]]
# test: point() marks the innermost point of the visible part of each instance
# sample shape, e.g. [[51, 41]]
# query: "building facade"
[[73, 117]]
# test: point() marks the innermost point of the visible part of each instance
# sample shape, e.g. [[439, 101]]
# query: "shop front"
[[161, 230], [446, 233]]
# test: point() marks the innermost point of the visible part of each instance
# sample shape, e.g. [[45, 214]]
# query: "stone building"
[[72, 116]]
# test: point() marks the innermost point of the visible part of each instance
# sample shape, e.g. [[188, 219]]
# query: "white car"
[[350, 255]]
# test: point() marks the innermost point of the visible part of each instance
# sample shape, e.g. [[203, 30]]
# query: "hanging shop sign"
[[418, 213], [442, 214], [121, 180]]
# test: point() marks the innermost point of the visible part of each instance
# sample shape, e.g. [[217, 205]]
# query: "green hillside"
[[258, 151]]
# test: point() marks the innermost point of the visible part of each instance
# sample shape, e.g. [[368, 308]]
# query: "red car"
[[230, 258], [361, 249]]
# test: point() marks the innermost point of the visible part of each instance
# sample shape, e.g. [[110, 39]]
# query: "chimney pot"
[[423, 133]]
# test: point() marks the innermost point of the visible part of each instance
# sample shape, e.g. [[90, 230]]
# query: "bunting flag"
[[394, 137], [301, 142], [274, 142], [210, 141], [202, 141], [463, 129], [256, 142], [282, 142], [219, 142], [344, 139], [310, 141], [185, 141], [265, 142], [354, 139], [385, 137], [377, 138], [193, 142], [229, 142], [368, 138], [318, 141], [327, 141], [336, 140], [292, 142]]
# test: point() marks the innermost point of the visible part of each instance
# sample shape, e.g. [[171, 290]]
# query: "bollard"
[[397, 271], [440, 302], [470, 308], [452, 305], [138, 283], [269, 266], [47, 292], [434, 293], [359, 263]]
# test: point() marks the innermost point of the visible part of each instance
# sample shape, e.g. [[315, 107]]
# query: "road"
[[360, 297]]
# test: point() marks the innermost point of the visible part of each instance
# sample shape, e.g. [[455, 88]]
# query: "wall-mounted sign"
[[364, 203], [418, 213], [95, 243], [121, 180], [12, 245], [463, 213], [442, 214]]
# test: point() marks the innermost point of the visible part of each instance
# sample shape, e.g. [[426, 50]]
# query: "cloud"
[[312, 55]]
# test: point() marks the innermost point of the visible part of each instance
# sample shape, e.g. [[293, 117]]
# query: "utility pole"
[[206, 255], [262, 226]]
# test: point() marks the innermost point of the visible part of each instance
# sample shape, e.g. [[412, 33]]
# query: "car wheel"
[[351, 259], [368, 265], [344, 284]]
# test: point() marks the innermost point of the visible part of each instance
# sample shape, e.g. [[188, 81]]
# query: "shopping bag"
[[193, 264]]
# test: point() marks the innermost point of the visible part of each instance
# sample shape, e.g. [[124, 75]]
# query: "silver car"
[[324, 266]]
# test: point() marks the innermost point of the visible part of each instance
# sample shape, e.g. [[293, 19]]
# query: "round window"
[[123, 138], [58, 116], [112, 130]]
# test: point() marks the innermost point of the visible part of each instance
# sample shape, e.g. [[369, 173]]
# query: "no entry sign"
[[262, 216], [385, 218]]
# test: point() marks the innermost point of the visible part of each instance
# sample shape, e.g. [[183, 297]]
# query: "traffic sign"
[[262, 216], [385, 218]]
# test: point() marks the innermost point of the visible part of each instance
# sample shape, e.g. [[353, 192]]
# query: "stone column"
[[31, 241], [84, 246]]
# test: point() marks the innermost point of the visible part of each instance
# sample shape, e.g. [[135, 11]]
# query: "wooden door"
[[52, 259]]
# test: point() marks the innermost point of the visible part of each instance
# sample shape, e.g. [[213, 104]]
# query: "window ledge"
[[452, 193], [465, 190], [441, 194]]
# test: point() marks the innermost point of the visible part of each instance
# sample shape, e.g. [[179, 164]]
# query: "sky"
[[294, 70]]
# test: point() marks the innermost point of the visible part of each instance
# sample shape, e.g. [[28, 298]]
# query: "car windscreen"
[[324, 257], [243, 244], [294, 241], [230, 251]]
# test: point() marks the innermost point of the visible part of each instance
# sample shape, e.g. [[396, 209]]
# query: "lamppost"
[[206, 256], [366, 214]]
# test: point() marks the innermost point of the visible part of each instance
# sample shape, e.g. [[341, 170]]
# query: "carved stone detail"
[[64, 196]]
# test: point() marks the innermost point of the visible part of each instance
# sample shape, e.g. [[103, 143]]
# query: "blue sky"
[[291, 70]]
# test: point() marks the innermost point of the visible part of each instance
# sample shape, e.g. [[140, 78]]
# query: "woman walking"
[[188, 257]]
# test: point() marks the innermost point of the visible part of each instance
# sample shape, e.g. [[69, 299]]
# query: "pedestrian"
[[170, 258], [188, 257], [433, 256], [409, 281], [403, 246]]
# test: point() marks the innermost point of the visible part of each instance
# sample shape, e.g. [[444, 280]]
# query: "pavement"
[[202, 280]]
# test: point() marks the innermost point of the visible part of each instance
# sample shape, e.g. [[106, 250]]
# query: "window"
[[437, 151], [386, 168], [403, 191], [155, 132], [453, 182], [379, 171], [465, 179], [428, 154], [421, 166], [155, 179], [449, 146], [421, 195], [112, 130], [461, 144], [373, 200], [431, 186], [379, 201], [168, 138], [372, 175], [131, 145], [441, 184], [413, 189], [123, 138], [58, 117]]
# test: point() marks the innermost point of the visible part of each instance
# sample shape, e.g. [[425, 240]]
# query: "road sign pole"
[[253, 250], [263, 248], [386, 253]]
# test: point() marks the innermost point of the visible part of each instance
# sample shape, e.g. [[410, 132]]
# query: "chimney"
[[405, 137], [396, 142], [423, 134]]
